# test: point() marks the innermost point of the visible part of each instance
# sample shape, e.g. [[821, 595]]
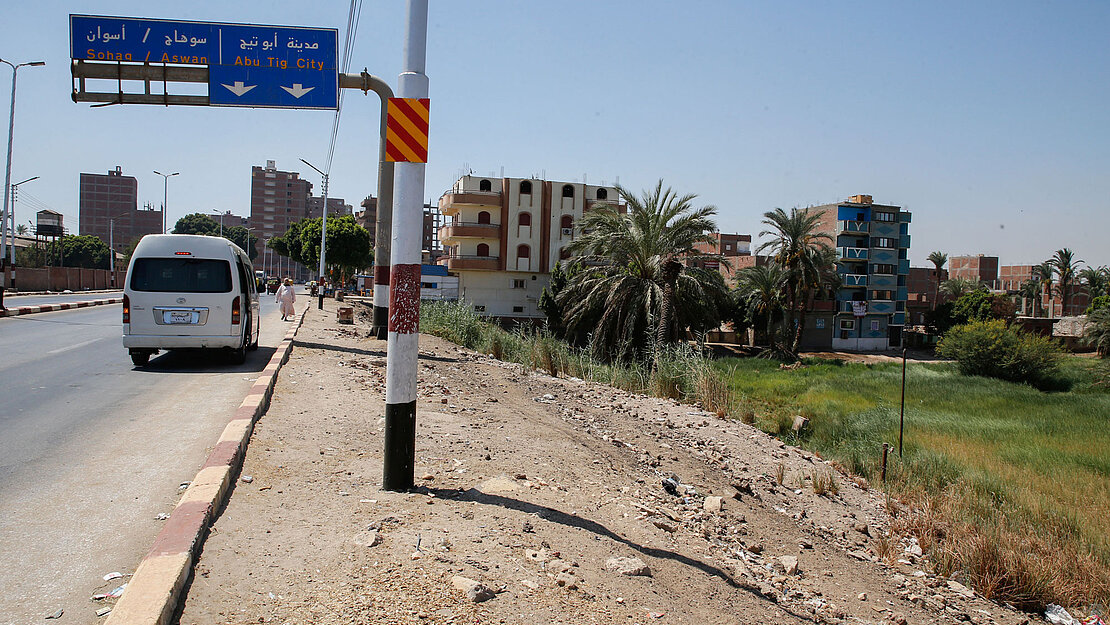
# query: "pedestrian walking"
[[286, 297]]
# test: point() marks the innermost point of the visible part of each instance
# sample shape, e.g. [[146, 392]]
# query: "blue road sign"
[[249, 65]]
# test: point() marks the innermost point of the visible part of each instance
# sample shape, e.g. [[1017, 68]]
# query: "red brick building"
[[109, 202], [978, 268]]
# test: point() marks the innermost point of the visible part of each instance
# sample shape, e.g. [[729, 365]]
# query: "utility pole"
[[323, 231], [9, 215], [11, 212], [402, 351]]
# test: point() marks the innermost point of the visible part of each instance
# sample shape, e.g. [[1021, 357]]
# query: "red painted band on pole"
[[404, 299], [381, 274]]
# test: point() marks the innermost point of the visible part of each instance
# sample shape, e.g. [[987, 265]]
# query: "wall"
[[63, 278]]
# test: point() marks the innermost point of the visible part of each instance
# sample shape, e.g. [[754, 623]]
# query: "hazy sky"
[[988, 120]]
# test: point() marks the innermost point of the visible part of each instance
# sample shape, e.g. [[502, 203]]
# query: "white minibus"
[[186, 291]]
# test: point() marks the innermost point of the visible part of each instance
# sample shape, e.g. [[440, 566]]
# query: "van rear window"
[[181, 275]]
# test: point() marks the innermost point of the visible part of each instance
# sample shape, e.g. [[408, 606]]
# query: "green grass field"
[[1007, 457]]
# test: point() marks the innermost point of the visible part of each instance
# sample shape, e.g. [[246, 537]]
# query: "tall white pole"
[[112, 249], [8, 214], [323, 240], [402, 350]]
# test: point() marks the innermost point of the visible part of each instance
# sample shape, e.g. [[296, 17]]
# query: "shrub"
[[1102, 302], [996, 350], [1097, 332], [982, 305]]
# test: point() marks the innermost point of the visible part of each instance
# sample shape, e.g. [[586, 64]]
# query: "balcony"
[[853, 279], [861, 227], [462, 261], [468, 230], [853, 253], [452, 201]]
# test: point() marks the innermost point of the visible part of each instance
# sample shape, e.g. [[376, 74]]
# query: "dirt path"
[[531, 488]]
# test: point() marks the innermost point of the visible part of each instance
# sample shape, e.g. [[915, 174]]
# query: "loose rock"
[[628, 566]]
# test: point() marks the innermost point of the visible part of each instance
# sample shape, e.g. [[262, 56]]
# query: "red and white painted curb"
[[30, 310], [153, 593]]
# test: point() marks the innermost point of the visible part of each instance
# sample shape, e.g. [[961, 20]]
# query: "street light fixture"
[[323, 229], [7, 215], [165, 195]]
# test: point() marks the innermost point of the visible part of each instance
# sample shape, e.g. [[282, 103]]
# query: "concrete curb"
[[30, 310], [153, 593]]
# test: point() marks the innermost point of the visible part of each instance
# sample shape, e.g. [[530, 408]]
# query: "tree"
[[197, 223], [1102, 302], [349, 246], [242, 237], [1097, 332], [956, 287], [805, 255], [85, 251], [982, 305], [1064, 265], [1096, 281], [1031, 290], [641, 279], [759, 292], [21, 229], [561, 275], [938, 259]]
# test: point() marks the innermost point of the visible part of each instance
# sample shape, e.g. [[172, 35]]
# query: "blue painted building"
[[868, 311]]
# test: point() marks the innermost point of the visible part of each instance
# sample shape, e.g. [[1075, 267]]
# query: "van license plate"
[[180, 316]]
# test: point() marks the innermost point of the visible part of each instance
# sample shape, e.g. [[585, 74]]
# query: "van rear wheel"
[[140, 358]]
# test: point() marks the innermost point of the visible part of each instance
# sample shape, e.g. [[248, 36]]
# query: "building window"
[[483, 217], [819, 323], [483, 249], [525, 219], [485, 185], [478, 308], [523, 251], [728, 247], [518, 309], [884, 242], [602, 194], [847, 324], [566, 222], [526, 187], [882, 216], [882, 295], [568, 190], [883, 268], [518, 283]]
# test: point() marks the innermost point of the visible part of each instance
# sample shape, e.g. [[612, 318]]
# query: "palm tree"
[[938, 259], [805, 255], [1031, 289], [957, 287], [1097, 332], [633, 291], [759, 291], [1063, 263], [21, 229], [1043, 274], [1096, 281]]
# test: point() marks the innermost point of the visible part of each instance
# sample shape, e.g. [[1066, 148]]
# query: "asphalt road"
[[93, 449], [15, 301]]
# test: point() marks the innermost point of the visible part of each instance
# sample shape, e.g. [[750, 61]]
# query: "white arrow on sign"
[[239, 88], [297, 90]]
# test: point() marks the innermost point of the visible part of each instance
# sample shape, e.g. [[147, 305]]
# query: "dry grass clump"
[[824, 482], [780, 473]]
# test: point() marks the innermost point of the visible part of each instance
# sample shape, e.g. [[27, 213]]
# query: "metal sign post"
[[404, 278]]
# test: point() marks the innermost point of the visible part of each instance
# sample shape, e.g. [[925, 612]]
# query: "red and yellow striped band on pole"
[[406, 130]]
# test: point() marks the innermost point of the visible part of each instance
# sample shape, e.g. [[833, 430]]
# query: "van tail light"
[[235, 314], [126, 309]]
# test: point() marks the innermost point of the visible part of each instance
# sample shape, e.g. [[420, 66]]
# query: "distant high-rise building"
[[109, 209], [278, 198], [336, 206]]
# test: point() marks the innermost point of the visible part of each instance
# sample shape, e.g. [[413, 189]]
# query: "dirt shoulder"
[[537, 497]]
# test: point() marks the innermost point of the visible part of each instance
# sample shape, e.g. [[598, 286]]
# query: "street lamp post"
[[165, 195], [221, 221], [11, 211], [7, 215], [112, 249], [323, 230]]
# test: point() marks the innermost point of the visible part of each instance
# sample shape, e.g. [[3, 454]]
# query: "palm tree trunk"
[[664, 333]]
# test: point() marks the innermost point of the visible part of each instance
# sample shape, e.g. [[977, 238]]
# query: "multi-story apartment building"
[[278, 198], [922, 293], [506, 234], [1011, 277], [336, 206], [869, 311], [108, 208], [975, 267]]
